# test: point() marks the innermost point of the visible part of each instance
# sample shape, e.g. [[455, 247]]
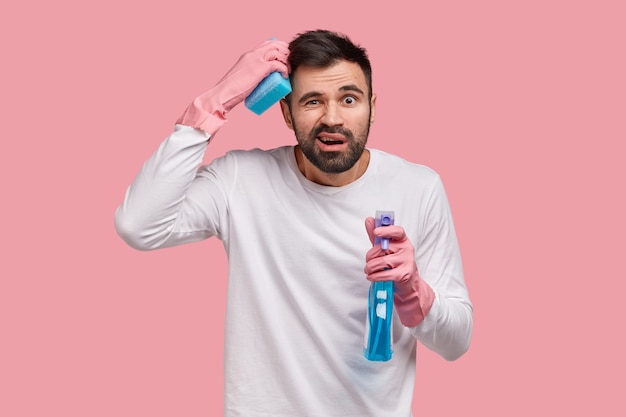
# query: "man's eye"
[[349, 100], [312, 102]]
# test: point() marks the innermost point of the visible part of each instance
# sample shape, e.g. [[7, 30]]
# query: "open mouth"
[[331, 139], [327, 141]]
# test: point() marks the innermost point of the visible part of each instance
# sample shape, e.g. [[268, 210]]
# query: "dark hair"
[[323, 48]]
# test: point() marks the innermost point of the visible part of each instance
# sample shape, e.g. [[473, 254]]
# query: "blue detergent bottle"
[[269, 91]]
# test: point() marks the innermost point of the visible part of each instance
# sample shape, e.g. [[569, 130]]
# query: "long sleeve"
[[159, 208], [447, 328]]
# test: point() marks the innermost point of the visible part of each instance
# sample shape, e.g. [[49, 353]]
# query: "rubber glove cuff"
[[204, 114], [413, 306]]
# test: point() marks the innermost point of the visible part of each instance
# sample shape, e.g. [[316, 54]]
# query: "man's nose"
[[333, 115]]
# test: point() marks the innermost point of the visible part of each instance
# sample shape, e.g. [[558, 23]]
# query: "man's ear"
[[284, 107], [373, 108]]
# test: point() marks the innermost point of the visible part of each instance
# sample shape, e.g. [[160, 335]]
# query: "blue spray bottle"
[[378, 330]]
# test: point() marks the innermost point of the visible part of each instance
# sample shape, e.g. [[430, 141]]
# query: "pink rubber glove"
[[251, 68], [413, 297]]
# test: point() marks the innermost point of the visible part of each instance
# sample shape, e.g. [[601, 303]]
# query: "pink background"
[[520, 106]]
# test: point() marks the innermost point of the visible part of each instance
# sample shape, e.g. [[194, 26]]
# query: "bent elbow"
[[131, 231], [461, 342], [456, 351]]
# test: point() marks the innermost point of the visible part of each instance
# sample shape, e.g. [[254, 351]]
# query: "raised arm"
[[167, 203]]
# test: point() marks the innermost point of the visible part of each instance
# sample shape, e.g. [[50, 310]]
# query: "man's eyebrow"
[[308, 95], [352, 87], [311, 94]]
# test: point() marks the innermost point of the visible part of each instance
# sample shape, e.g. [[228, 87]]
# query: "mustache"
[[334, 129]]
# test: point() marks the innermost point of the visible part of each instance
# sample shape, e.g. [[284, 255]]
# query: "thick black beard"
[[332, 162]]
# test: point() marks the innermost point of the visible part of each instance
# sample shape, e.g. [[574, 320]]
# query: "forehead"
[[328, 79]]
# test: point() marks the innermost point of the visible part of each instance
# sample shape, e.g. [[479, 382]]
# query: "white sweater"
[[297, 293]]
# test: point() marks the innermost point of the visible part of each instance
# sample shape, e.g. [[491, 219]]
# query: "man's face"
[[330, 114]]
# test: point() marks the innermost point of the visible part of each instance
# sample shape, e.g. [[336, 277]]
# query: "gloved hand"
[[251, 68], [413, 297]]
